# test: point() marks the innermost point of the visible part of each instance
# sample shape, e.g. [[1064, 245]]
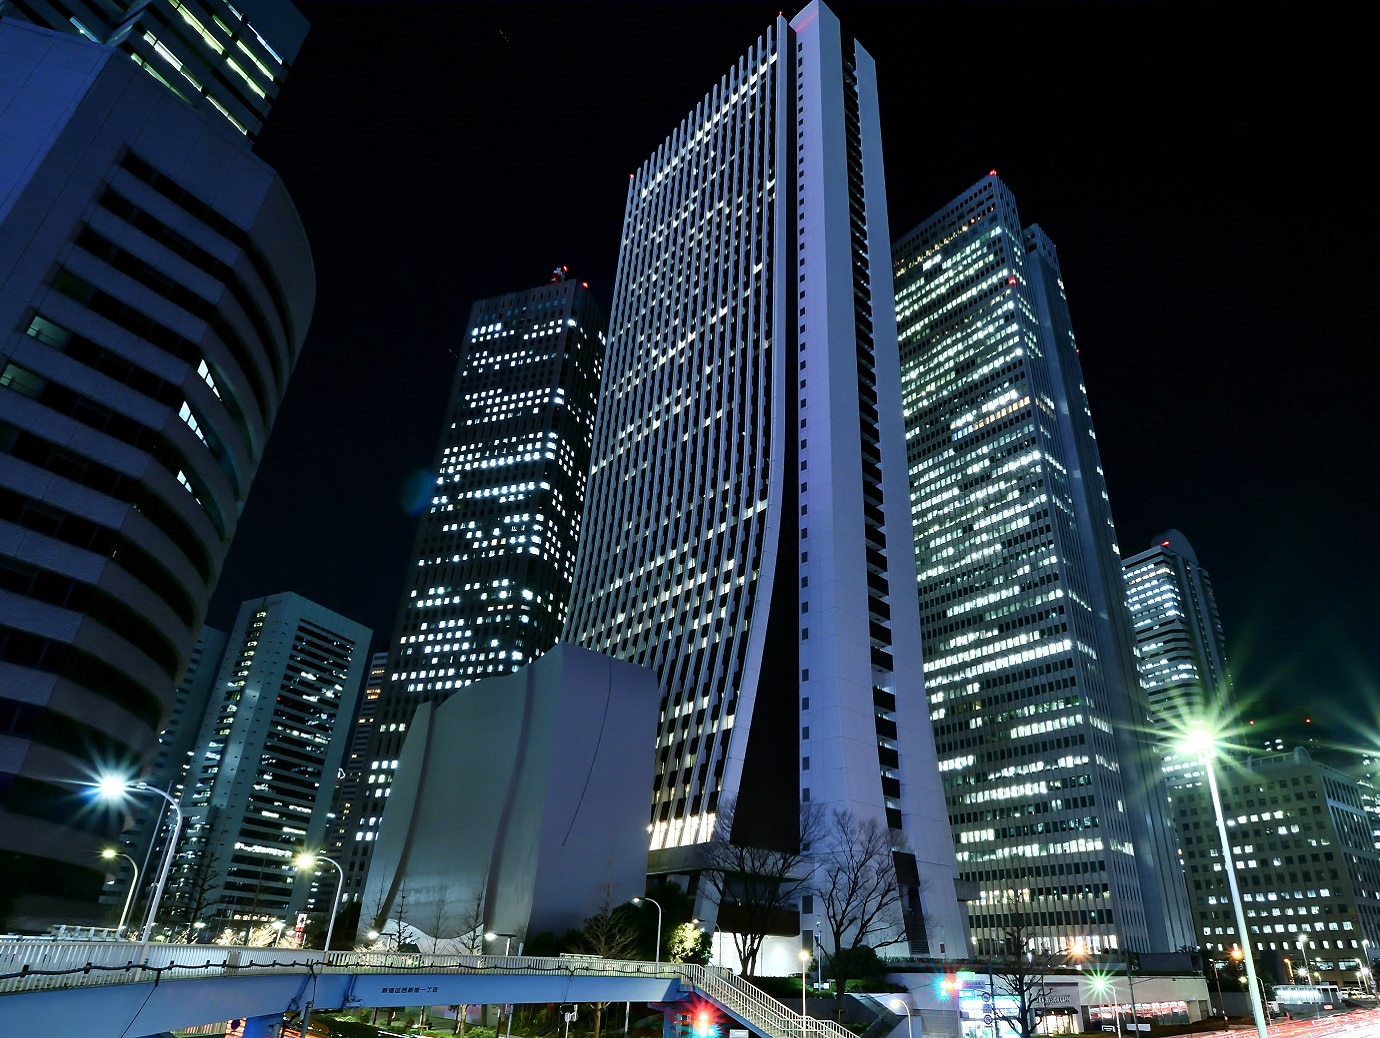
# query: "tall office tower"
[[1053, 793], [265, 762], [749, 536], [155, 288], [1183, 658], [1305, 858], [354, 770], [228, 60], [144, 841], [496, 547]]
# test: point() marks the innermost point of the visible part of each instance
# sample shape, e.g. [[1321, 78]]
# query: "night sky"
[[1201, 169]]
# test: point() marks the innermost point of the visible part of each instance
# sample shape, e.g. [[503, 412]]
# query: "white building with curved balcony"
[[747, 525], [155, 288]]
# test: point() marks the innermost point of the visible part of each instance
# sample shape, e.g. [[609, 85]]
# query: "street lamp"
[[507, 940], [1102, 987], [638, 901], [113, 788], [1303, 950], [804, 965], [110, 854], [897, 1004], [307, 860], [1200, 742], [278, 925]]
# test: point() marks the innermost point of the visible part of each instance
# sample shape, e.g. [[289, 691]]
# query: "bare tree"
[[471, 939], [1020, 969], [855, 882], [756, 887], [611, 932]]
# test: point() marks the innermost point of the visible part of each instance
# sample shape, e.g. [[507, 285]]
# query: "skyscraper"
[[749, 535], [228, 60], [1038, 714], [265, 761], [155, 290], [1183, 658], [495, 549]]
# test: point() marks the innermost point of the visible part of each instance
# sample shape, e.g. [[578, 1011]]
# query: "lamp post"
[[507, 940], [278, 926], [819, 960], [804, 965], [1201, 743], [638, 901], [1221, 1000], [1303, 950], [306, 861], [897, 1004], [110, 854], [1131, 983], [113, 788]]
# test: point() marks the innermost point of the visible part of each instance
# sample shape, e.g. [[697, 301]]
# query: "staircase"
[[755, 1008]]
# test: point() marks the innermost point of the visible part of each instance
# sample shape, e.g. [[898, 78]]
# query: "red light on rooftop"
[[584, 284], [1011, 280], [1164, 544], [991, 172]]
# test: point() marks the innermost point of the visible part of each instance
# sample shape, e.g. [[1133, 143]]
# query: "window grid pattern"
[[1018, 697], [685, 435]]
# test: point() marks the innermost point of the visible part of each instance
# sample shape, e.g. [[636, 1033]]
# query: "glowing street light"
[[305, 861], [1102, 987], [507, 940], [1201, 743], [110, 854], [804, 965], [638, 901], [114, 788], [902, 1007]]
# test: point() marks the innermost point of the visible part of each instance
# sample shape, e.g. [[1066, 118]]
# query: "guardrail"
[[48, 965], [59, 965]]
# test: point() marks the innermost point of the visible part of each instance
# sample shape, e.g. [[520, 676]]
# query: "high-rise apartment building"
[[748, 532], [1183, 657], [265, 762], [228, 60], [495, 550], [155, 290], [1053, 794]]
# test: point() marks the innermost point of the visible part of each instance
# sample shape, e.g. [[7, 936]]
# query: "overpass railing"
[[44, 965], [53, 965]]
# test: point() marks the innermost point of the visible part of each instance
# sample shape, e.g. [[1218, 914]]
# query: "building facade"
[[748, 533], [495, 550], [146, 840], [155, 289], [1183, 655], [265, 764], [1052, 790], [1306, 864], [227, 60]]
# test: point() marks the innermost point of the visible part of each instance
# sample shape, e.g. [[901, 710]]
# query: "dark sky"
[[1201, 169]]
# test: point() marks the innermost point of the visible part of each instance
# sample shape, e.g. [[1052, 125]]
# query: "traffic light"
[[702, 1023]]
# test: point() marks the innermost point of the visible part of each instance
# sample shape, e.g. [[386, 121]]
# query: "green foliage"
[[783, 989], [861, 963], [688, 943]]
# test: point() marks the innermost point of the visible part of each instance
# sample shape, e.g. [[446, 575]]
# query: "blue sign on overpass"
[[124, 989]]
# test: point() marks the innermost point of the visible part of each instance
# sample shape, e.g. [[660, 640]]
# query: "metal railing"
[[36, 965], [755, 1006]]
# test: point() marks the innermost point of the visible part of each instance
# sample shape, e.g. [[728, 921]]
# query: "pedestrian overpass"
[[123, 989]]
